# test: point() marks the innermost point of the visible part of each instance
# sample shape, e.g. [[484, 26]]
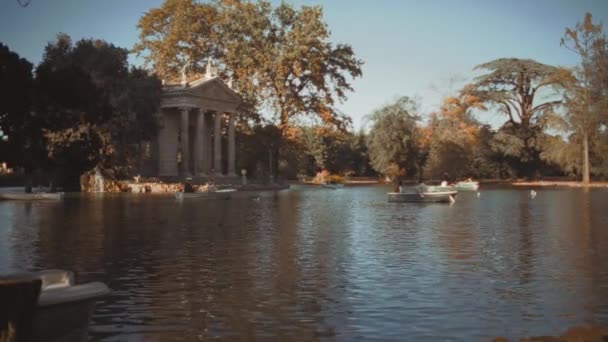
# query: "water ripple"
[[311, 264]]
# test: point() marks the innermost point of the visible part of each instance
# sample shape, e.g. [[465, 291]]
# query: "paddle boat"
[[443, 187], [430, 197], [217, 194], [467, 185], [423, 194], [440, 188]]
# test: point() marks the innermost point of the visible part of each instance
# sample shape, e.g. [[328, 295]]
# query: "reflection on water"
[[309, 263]]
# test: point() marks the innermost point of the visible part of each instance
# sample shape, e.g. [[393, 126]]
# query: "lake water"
[[319, 264]]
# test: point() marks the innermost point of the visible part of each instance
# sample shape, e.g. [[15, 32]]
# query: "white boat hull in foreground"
[[64, 309]]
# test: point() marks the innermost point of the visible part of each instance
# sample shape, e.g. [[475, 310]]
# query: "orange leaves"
[[394, 171], [279, 56], [175, 33], [292, 133], [452, 107], [326, 114], [450, 100], [455, 122], [424, 136]]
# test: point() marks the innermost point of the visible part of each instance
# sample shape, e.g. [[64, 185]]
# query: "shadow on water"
[[313, 263]]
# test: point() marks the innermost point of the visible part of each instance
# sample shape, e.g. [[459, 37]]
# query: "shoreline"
[[168, 188], [567, 184]]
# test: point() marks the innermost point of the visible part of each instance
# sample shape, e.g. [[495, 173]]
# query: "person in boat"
[[188, 188], [446, 179]]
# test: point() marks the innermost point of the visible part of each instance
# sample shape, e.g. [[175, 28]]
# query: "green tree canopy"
[[587, 95], [94, 110], [15, 110], [393, 139], [335, 151], [514, 86], [454, 137], [525, 91]]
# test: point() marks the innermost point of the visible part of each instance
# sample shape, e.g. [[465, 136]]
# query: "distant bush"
[[325, 177]]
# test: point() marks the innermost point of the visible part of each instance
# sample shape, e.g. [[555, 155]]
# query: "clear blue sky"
[[407, 46]]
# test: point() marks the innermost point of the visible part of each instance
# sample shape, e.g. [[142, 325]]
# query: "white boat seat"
[[55, 278]]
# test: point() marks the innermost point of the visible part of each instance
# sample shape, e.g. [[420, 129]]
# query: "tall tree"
[[280, 58], [454, 136], [359, 155], [179, 34], [525, 91], [95, 110], [587, 96], [19, 135], [314, 142], [298, 70], [393, 139]]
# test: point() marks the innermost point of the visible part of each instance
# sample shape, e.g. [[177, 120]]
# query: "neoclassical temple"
[[191, 133]]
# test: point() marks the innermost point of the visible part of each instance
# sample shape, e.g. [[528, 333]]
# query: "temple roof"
[[206, 92]]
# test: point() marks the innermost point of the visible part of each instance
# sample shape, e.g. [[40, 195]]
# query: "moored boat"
[[440, 188], [423, 197], [34, 196], [217, 194], [436, 188]]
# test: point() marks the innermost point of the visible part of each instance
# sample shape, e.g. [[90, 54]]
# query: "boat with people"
[[31, 196], [63, 309], [467, 185], [423, 194], [442, 187], [216, 194]]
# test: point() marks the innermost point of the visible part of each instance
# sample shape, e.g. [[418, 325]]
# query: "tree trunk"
[[275, 163], [420, 172], [585, 159]]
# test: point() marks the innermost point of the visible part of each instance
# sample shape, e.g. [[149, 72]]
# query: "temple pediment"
[[210, 93], [214, 89]]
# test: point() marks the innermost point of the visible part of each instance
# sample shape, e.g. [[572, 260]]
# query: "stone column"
[[159, 145], [199, 143], [217, 144], [208, 143], [231, 147], [184, 141]]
